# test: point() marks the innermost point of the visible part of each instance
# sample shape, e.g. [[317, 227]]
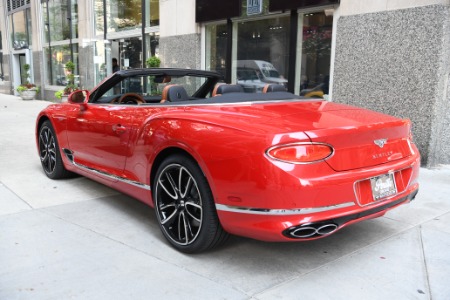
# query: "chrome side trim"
[[70, 156], [281, 212], [114, 177]]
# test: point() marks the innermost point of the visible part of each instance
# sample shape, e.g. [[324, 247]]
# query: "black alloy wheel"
[[184, 206], [49, 153]]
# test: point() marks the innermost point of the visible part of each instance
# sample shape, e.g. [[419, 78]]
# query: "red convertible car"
[[213, 160]]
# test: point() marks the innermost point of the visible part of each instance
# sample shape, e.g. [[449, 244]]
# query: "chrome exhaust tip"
[[311, 230]]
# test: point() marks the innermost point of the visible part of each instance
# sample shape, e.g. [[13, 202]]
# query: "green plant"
[[70, 67], [153, 62], [59, 94], [21, 88], [71, 86]]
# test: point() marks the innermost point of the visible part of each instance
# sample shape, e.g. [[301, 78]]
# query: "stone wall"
[[182, 51], [396, 62]]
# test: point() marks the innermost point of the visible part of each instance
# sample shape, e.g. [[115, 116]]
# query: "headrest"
[[174, 93], [270, 88], [221, 89]]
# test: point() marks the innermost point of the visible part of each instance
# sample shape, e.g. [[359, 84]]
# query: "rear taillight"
[[300, 153]]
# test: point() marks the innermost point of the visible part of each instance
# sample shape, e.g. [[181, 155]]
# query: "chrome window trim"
[[281, 212]]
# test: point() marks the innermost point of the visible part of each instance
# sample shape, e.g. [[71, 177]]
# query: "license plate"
[[383, 186]]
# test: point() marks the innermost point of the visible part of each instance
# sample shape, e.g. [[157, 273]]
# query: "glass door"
[[23, 73]]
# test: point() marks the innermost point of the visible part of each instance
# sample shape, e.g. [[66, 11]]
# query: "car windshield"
[[271, 73], [154, 85], [164, 86], [150, 86]]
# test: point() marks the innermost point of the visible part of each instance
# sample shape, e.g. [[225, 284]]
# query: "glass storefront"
[[316, 54], [57, 57], [60, 19], [262, 54], [125, 15], [20, 28], [216, 47], [124, 35], [261, 50]]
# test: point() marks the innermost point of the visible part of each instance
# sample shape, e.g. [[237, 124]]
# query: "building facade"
[[392, 56]]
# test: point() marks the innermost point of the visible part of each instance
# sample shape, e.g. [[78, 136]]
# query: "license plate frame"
[[383, 186]]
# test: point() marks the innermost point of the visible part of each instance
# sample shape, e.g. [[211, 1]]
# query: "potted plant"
[[153, 62], [71, 86], [27, 90]]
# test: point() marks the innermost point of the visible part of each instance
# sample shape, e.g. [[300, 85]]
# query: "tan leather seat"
[[174, 93], [270, 88]]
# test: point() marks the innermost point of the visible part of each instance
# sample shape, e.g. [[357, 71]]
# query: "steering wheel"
[[131, 98]]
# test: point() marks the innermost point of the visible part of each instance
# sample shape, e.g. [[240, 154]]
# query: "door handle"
[[119, 129]]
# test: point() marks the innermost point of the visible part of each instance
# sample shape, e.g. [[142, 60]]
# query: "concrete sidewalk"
[[76, 239]]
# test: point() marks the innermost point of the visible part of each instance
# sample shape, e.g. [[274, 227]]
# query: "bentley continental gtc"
[[213, 160]]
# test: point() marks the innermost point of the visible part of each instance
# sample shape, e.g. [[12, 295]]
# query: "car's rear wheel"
[[184, 206], [49, 153]]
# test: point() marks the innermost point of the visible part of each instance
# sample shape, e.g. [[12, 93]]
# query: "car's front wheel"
[[49, 153], [184, 206]]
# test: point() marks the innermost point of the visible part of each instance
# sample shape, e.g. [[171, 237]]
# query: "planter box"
[[28, 95]]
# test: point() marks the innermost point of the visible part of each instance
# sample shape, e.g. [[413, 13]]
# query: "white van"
[[253, 75]]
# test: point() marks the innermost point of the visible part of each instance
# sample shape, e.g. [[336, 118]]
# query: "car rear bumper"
[[313, 222], [301, 227]]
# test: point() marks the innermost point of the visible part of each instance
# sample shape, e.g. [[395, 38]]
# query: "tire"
[[185, 207], [49, 153]]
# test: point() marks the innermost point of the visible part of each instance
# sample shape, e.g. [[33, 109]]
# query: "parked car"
[[269, 166]]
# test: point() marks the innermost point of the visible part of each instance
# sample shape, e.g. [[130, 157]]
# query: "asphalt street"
[[77, 239]]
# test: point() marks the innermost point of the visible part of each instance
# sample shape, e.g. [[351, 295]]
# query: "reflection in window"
[[56, 61], [262, 53], [124, 15], [216, 47], [153, 13], [20, 36], [60, 25], [316, 54], [99, 21], [62, 14]]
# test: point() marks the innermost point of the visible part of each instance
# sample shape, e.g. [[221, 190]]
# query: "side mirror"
[[79, 97]]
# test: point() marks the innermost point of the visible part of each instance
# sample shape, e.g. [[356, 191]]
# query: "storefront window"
[[20, 37], [262, 53], [99, 20], [124, 15], [316, 54], [62, 14], [216, 47], [60, 25], [56, 60], [153, 13]]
